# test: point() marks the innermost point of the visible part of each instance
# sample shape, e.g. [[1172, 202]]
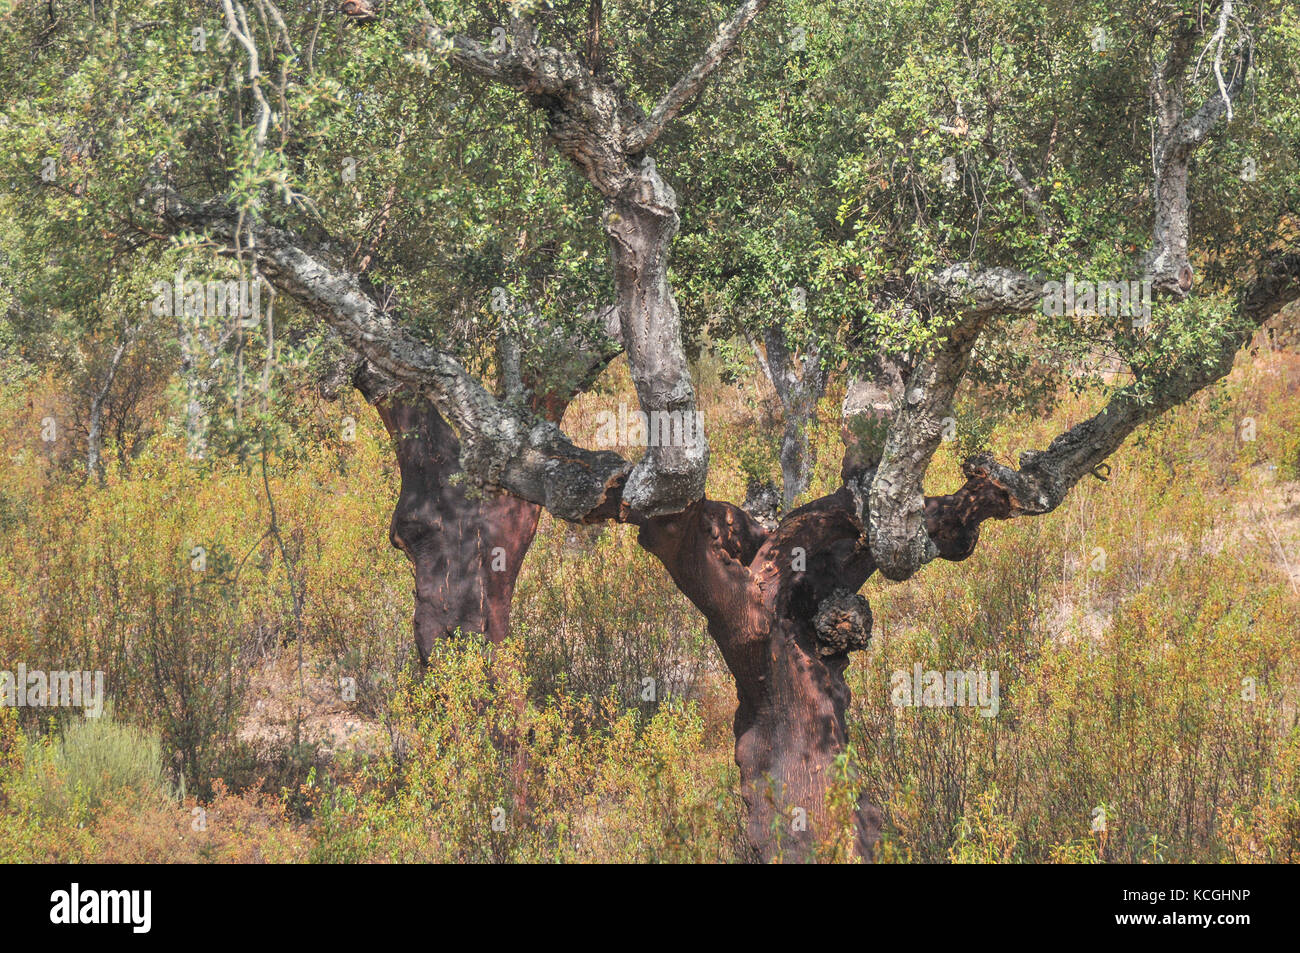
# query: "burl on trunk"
[[783, 608]]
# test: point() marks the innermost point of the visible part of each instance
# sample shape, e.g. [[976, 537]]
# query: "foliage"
[[483, 774], [845, 152], [93, 763]]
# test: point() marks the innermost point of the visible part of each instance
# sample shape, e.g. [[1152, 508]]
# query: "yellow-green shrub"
[[483, 774]]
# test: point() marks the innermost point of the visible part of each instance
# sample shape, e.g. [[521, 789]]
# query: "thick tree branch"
[[588, 119], [1045, 477], [895, 495], [893, 436], [501, 445], [963, 289]]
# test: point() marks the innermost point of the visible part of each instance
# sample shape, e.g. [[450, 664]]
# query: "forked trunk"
[[782, 608]]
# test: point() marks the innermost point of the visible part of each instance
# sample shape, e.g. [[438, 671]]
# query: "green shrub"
[[483, 775], [92, 764]]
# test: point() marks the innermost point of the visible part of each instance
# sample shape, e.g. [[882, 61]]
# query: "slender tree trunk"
[[94, 436], [799, 386], [95, 429], [796, 465]]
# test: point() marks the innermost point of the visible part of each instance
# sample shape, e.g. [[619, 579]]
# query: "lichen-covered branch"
[[1045, 477], [899, 541], [502, 445]]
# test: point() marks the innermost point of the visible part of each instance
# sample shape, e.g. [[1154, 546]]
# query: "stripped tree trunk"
[[466, 543], [466, 549], [783, 610]]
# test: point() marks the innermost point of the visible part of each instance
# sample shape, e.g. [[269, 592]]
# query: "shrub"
[[93, 763], [228, 829], [482, 774]]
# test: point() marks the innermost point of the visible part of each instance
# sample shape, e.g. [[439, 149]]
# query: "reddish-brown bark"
[[466, 548], [784, 610], [781, 608]]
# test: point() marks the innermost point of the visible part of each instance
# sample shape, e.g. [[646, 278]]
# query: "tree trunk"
[[796, 465], [465, 548], [783, 610], [790, 727], [95, 430], [799, 393], [641, 222]]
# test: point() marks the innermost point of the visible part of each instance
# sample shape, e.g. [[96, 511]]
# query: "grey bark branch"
[[593, 124], [964, 289], [1045, 477], [900, 541], [896, 495], [641, 224], [799, 391], [501, 446], [1177, 136]]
